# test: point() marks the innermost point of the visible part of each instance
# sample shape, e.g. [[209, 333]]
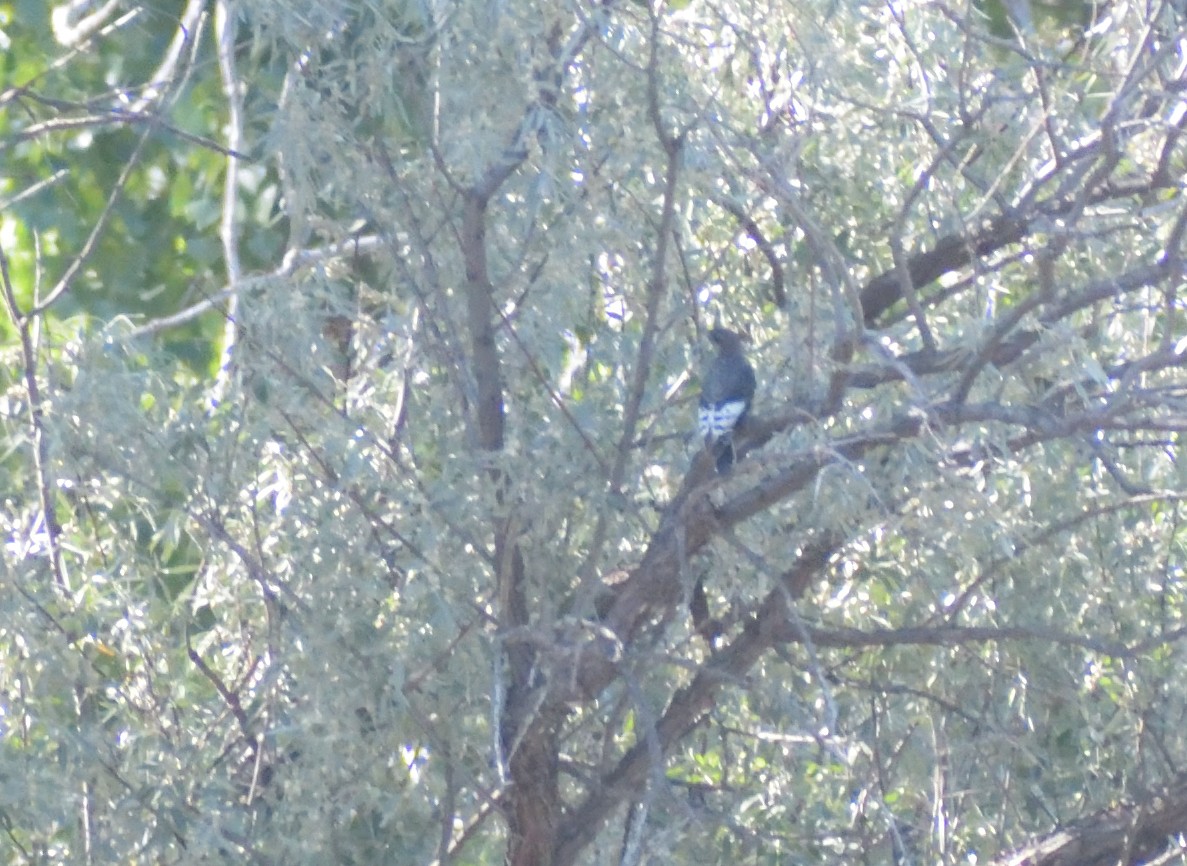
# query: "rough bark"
[[1135, 833]]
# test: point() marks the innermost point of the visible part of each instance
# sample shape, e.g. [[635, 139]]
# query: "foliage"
[[349, 506]]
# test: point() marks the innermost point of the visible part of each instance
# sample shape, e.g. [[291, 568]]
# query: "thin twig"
[[53, 529]]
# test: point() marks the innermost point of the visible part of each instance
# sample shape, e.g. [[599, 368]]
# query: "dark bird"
[[726, 391]]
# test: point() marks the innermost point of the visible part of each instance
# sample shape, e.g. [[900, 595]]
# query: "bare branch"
[[41, 457], [778, 289], [225, 25]]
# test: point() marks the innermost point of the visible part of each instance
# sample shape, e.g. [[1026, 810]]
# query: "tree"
[[367, 533]]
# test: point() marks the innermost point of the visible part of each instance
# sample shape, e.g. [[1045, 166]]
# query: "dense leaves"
[[350, 503]]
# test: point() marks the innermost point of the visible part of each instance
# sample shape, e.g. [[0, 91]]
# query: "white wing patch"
[[713, 422]]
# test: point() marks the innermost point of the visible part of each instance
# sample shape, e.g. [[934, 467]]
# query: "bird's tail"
[[723, 452]]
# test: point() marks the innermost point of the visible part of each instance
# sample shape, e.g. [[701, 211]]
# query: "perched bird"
[[726, 392]]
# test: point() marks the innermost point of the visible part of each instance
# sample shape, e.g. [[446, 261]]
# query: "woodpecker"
[[726, 392]]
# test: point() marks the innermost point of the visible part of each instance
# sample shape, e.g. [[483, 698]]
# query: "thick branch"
[[1130, 834], [955, 251], [687, 708], [949, 254], [485, 365]]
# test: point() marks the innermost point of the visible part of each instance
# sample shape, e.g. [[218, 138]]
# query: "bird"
[[727, 390]]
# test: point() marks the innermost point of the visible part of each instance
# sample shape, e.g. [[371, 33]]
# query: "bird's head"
[[727, 342]]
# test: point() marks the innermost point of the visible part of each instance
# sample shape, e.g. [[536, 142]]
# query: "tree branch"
[[1128, 835], [37, 434]]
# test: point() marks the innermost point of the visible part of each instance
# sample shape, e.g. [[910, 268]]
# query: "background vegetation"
[[350, 513]]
